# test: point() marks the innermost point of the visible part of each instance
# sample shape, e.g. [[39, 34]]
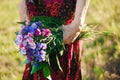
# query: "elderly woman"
[[73, 12]]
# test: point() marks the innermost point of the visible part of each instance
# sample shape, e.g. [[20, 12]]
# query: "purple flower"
[[39, 23], [43, 46], [43, 55], [33, 45], [30, 40], [43, 31], [29, 58], [37, 31], [30, 51], [30, 34], [24, 30], [37, 56], [38, 46], [46, 32], [24, 43]]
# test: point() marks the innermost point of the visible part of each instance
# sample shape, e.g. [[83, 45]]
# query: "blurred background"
[[101, 56]]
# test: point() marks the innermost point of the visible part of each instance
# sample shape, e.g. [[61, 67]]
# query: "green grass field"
[[100, 59]]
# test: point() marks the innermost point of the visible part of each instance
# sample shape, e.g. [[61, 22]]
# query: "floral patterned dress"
[[70, 61]]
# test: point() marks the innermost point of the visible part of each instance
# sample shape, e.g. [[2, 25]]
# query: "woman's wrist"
[[76, 25]]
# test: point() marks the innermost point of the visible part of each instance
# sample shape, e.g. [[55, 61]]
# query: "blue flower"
[[38, 46], [32, 27], [34, 63], [39, 23]]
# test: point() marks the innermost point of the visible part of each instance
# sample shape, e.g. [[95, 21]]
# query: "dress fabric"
[[70, 61]]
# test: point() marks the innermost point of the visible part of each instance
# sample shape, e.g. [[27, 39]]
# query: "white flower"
[[33, 45], [19, 39], [23, 50], [24, 43], [43, 46], [49, 77], [30, 40]]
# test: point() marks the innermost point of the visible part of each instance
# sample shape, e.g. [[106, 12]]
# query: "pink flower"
[[25, 37], [27, 22], [43, 31], [24, 43], [19, 39], [38, 32], [43, 46], [30, 35], [30, 40], [21, 46], [47, 32], [33, 45]]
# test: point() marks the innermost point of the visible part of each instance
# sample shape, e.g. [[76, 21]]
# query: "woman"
[[74, 12]]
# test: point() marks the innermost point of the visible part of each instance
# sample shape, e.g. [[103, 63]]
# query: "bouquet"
[[40, 40]]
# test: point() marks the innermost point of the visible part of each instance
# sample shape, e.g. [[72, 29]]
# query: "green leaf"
[[54, 61], [37, 68], [21, 22], [58, 63], [46, 70], [24, 62]]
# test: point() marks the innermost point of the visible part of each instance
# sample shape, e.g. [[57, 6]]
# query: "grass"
[[100, 59], [104, 49], [9, 57]]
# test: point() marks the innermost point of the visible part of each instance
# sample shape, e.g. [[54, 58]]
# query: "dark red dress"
[[70, 61]]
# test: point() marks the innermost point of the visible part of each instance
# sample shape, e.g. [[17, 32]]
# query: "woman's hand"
[[70, 33]]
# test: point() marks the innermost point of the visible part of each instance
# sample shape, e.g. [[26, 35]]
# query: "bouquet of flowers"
[[40, 40]]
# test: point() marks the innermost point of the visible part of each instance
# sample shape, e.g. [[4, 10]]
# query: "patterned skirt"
[[70, 63]]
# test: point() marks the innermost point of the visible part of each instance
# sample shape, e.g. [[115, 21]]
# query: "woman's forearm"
[[71, 32], [23, 10], [80, 12]]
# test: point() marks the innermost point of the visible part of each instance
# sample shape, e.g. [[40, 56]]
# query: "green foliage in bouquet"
[[55, 44]]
